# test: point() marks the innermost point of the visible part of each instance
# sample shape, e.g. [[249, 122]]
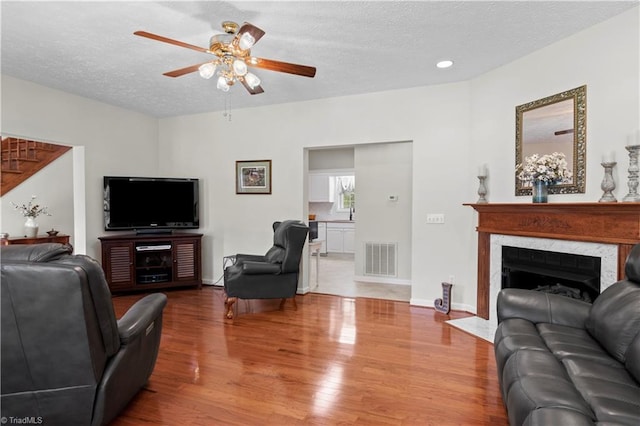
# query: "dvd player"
[[153, 278], [154, 247]]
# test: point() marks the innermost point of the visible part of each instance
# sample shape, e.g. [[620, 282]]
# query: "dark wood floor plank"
[[331, 361]]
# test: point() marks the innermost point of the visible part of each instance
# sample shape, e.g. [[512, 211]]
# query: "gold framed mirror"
[[557, 123]]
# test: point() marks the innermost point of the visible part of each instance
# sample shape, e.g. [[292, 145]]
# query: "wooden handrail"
[[22, 158]]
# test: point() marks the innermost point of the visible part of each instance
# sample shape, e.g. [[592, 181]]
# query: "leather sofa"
[[66, 360], [562, 361]]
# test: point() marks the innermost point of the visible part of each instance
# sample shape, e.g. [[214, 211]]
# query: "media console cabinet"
[[134, 262]]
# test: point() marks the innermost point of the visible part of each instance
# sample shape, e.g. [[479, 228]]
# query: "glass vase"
[[30, 227], [540, 191]]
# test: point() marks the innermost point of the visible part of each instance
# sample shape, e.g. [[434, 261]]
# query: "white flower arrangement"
[[549, 168], [31, 209]]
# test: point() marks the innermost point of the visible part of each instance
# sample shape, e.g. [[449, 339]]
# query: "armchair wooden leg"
[[283, 301], [228, 304]]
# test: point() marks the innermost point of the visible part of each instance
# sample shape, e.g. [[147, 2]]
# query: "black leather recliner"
[[270, 276], [562, 361], [65, 358]]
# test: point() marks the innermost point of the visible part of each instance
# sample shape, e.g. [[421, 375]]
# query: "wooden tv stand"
[[138, 262]]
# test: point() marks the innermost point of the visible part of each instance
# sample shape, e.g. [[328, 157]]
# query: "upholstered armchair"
[[66, 360], [270, 276]]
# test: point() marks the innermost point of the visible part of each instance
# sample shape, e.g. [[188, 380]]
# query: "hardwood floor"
[[332, 361]]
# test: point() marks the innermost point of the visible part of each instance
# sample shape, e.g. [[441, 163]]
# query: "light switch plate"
[[435, 218]]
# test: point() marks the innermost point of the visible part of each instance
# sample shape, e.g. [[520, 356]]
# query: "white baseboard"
[[421, 302], [381, 280], [413, 302], [454, 306], [463, 307]]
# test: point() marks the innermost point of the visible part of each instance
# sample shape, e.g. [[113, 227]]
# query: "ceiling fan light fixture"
[[252, 80], [222, 84], [239, 67], [233, 57], [207, 70], [246, 41]]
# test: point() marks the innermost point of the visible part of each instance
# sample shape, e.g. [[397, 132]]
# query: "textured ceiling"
[[88, 48]]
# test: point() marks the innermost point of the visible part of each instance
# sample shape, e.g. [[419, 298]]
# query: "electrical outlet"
[[435, 218]]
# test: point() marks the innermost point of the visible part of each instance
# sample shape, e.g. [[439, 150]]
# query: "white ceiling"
[[88, 48]]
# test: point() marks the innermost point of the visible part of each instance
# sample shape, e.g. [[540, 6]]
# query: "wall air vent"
[[380, 259]]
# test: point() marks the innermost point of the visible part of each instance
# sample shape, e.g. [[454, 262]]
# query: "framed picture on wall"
[[253, 177]]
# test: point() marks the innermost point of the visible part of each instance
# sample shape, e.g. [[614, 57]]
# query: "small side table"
[[314, 247], [39, 239]]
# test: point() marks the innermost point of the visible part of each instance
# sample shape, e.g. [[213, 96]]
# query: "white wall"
[[331, 158], [605, 58], [116, 141], [53, 187], [429, 116], [453, 129], [384, 170]]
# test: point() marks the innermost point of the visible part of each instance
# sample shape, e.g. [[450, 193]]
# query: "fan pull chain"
[[227, 107]]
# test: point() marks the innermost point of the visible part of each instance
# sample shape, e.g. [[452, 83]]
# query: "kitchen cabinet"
[[341, 237], [334, 241], [349, 240], [321, 188]]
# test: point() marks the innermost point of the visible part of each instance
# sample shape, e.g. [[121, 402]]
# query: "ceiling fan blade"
[[171, 41], [254, 91], [254, 31], [563, 132], [183, 71], [269, 64]]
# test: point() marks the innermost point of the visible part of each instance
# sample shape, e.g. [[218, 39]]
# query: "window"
[[347, 200], [346, 190]]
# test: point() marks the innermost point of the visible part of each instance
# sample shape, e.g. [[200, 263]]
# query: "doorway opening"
[[352, 196]]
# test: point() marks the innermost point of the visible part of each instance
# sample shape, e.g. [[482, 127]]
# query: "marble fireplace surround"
[[605, 230], [608, 254]]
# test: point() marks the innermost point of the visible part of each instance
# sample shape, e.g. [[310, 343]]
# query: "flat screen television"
[[150, 204]]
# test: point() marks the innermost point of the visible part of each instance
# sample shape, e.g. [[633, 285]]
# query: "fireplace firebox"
[[571, 275]]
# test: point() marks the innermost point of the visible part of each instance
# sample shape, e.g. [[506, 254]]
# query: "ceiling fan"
[[233, 57]]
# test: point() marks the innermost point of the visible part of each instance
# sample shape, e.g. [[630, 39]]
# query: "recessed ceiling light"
[[444, 64]]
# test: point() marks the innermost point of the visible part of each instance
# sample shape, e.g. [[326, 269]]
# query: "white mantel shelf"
[[607, 223]]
